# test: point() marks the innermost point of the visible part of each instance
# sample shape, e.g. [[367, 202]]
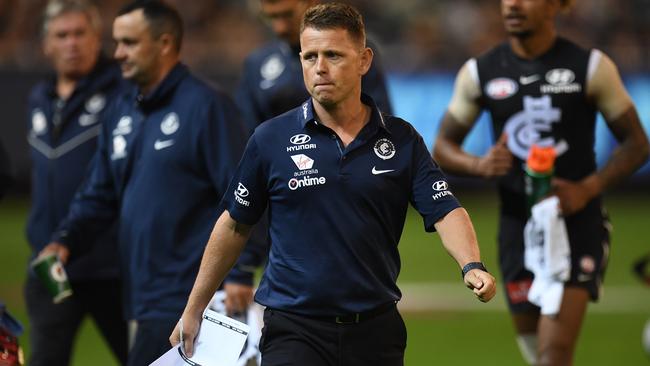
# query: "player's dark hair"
[[162, 18]]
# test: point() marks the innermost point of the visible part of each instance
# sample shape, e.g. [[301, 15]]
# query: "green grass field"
[[456, 329]]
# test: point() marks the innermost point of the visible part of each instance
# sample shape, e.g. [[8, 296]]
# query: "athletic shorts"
[[588, 233]]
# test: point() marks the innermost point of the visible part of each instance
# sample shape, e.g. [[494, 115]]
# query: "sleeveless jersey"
[[543, 102]]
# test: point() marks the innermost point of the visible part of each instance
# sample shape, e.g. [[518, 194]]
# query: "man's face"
[[284, 17], [136, 50], [523, 18], [72, 44], [332, 64]]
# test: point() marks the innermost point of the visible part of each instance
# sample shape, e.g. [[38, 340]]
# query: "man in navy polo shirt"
[[64, 118], [272, 81], [168, 148], [337, 176]]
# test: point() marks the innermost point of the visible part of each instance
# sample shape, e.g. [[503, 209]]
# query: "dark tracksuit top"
[[164, 161], [272, 83], [336, 213], [63, 138]]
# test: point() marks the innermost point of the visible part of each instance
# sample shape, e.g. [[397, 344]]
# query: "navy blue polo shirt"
[[336, 213]]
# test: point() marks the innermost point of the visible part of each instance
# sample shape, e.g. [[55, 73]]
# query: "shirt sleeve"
[[247, 195], [464, 105], [94, 208], [431, 195], [605, 86]]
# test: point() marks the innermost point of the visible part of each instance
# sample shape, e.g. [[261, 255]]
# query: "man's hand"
[[574, 196], [496, 162], [481, 283], [57, 249], [238, 297], [186, 331]]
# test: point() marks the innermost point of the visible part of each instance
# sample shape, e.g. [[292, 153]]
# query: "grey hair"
[[56, 8]]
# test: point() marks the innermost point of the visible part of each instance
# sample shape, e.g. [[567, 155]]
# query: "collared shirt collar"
[[166, 86], [307, 114], [96, 78]]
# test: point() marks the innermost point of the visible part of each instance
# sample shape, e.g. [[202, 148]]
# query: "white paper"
[[219, 343]]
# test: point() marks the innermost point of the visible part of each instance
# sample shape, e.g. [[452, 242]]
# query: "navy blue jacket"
[[63, 138], [272, 83], [336, 213], [163, 163]]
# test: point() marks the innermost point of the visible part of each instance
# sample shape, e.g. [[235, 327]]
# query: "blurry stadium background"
[[422, 45]]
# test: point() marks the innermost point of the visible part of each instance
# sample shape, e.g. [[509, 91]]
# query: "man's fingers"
[[174, 339], [188, 345], [503, 140], [473, 281], [482, 284], [64, 254]]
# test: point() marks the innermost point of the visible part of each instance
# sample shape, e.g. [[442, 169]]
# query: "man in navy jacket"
[[272, 80], [166, 153], [64, 119]]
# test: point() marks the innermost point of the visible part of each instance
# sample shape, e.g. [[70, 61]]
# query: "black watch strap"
[[472, 265]]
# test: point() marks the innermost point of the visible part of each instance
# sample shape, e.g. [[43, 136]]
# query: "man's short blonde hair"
[[56, 8]]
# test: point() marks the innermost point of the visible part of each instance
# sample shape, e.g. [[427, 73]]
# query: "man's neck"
[[534, 45], [146, 89], [345, 119], [65, 86]]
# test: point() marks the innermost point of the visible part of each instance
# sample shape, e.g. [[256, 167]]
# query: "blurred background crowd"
[[436, 35], [414, 37]]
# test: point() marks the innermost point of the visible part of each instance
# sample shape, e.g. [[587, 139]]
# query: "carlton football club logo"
[[123, 126], [96, 103], [271, 70], [384, 149], [170, 123]]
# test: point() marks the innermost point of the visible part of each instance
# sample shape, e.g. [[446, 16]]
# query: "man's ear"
[[365, 60], [168, 43]]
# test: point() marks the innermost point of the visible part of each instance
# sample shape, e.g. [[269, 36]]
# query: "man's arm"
[[608, 92], [459, 239], [461, 115], [92, 210], [226, 242]]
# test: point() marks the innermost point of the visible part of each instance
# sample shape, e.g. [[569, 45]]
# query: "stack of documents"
[[219, 343]]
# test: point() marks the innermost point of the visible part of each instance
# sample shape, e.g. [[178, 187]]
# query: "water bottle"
[[539, 171]]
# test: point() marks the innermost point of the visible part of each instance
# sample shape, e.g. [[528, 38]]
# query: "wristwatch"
[[472, 265]]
